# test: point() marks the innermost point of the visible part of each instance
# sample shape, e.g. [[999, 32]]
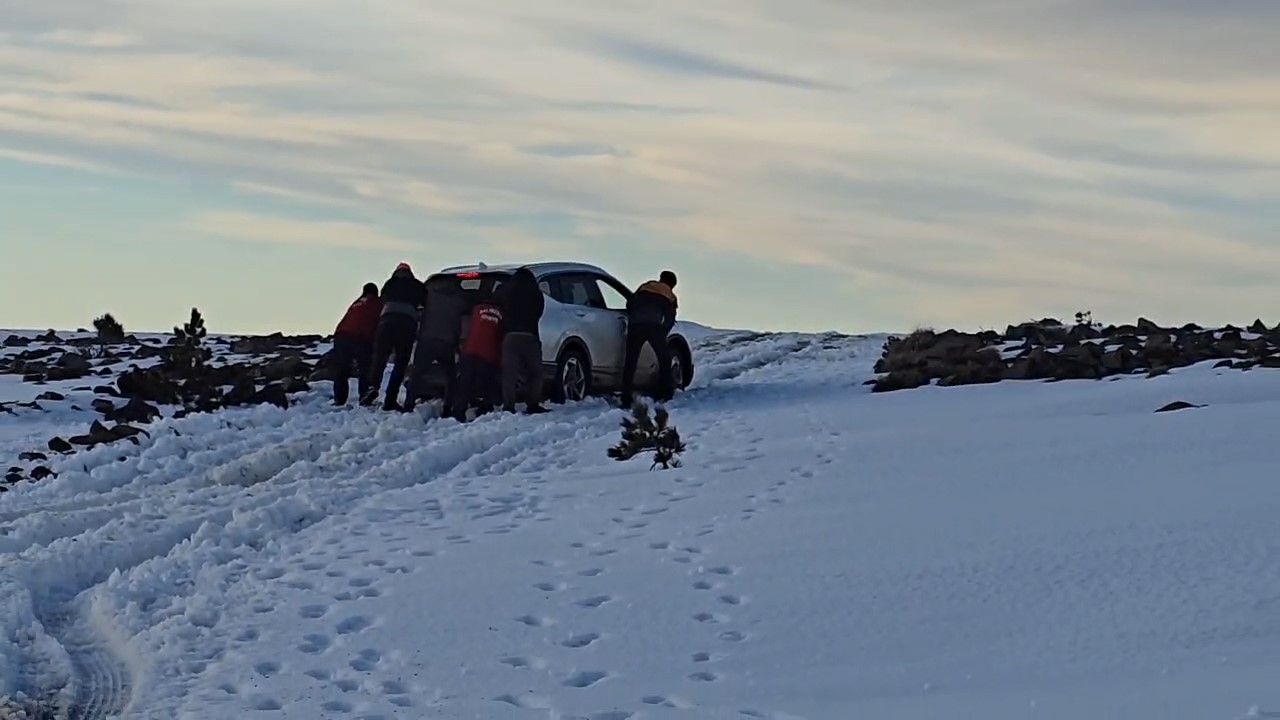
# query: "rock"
[[261, 344], [16, 341], [901, 380], [145, 352], [59, 445], [15, 469], [106, 390], [1258, 327], [296, 385], [104, 406], [272, 394], [104, 372], [6, 409], [41, 472], [51, 396], [12, 478], [1147, 327], [33, 378], [100, 434], [289, 366], [1224, 364], [1179, 405], [49, 337], [135, 411], [32, 456], [1120, 360]]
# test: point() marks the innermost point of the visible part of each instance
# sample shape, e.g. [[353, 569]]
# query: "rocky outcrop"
[[1051, 350], [143, 380]]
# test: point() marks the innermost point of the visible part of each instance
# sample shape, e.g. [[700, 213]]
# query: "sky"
[[852, 165]]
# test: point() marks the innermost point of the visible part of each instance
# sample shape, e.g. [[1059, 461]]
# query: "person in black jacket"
[[522, 304], [651, 313], [402, 296]]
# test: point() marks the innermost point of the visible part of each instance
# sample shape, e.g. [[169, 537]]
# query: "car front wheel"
[[573, 376]]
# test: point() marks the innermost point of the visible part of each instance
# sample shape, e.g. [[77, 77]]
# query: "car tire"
[[681, 374], [572, 381]]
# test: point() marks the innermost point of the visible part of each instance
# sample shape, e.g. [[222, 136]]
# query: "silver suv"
[[583, 328]]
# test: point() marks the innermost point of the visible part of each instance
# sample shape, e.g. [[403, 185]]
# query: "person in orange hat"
[[651, 314], [403, 295]]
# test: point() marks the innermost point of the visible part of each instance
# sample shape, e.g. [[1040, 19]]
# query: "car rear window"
[[472, 285]]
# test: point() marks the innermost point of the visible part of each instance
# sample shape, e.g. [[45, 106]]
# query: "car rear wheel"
[[678, 369], [573, 376]]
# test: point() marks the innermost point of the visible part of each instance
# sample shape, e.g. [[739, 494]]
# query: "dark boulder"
[[59, 445]]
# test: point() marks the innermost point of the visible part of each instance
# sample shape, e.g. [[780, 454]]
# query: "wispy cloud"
[[293, 231], [952, 156]]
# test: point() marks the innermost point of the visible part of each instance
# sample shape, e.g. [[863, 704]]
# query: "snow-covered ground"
[[1020, 550]]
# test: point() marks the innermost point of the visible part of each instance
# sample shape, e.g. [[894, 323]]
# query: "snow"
[[1018, 550]]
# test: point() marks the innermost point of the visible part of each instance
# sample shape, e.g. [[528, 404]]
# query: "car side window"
[[581, 290], [612, 297]]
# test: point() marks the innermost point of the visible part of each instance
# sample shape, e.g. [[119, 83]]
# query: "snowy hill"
[[1016, 550]]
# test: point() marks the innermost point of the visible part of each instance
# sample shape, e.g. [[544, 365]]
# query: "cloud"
[[952, 156], [293, 231]]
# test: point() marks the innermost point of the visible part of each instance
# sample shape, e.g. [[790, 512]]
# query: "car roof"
[[540, 269]]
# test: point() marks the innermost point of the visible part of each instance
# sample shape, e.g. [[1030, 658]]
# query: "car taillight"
[[469, 275]]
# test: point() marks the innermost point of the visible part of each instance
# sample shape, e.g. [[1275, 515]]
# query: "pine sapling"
[[109, 329], [188, 353], [642, 432], [667, 445]]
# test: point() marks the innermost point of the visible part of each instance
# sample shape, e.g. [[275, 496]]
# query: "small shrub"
[[642, 432], [187, 352], [109, 329]]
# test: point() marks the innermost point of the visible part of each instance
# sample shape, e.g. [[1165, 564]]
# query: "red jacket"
[[361, 319], [484, 337]]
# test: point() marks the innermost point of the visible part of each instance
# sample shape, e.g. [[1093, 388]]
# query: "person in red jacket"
[[480, 362], [353, 343]]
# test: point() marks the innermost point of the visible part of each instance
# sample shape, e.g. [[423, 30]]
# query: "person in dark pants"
[[651, 313], [522, 305], [353, 343], [402, 296], [481, 361], [438, 336]]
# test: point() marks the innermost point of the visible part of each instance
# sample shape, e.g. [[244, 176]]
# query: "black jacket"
[[653, 304], [403, 294], [522, 304]]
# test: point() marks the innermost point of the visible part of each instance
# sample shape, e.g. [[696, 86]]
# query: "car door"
[[602, 328]]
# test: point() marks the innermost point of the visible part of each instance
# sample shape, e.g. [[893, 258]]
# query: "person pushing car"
[[651, 314]]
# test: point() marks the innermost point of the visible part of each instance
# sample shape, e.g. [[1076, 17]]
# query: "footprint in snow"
[[581, 641], [594, 602], [353, 624], [585, 678], [314, 644]]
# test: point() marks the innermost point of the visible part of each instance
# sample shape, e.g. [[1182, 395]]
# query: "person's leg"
[[382, 349], [403, 349], [531, 359], [363, 351], [662, 350], [635, 343], [446, 356], [342, 360], [463, 388], [488, 383], [510, 370], [414, 386]]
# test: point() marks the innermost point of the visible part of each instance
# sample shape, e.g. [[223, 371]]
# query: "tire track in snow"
[[351, 462]]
